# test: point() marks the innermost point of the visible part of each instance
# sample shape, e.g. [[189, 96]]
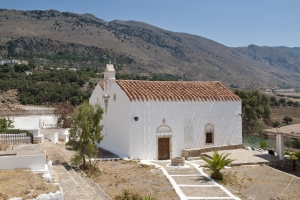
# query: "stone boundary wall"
[[33, 162], [25, 112], [197, 152], [283, 165]]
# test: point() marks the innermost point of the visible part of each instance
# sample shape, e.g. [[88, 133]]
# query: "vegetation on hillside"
[[70, 39], [48, 85]]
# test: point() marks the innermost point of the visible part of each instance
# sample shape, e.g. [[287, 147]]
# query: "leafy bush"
[[263, 144], [282, 100], [218, 162], [276, 124], [290, 103], [287, 119]]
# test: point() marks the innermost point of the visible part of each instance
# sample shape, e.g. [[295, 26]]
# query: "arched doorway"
[[163, 134]]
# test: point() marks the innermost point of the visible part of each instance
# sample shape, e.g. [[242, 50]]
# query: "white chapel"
[[166, 119]]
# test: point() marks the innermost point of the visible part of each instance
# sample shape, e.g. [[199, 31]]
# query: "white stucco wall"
[[224, 116], [115, 121], [33, 122], [34, 162], [96, 96]]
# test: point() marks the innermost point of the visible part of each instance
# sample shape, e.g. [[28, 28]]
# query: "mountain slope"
[[137, 47]]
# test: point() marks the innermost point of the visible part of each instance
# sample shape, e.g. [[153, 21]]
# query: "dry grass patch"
[[260, 182], [118, 176], [3, 146], [23, 183]]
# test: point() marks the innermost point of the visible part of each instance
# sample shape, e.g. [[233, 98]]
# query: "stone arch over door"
[[164, 142], [163, 129], [209, 133]]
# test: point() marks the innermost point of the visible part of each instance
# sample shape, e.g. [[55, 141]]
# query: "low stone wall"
[[197, 152], [283, 165], [33, 162]]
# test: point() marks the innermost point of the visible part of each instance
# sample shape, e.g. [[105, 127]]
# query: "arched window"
[[209, 134]]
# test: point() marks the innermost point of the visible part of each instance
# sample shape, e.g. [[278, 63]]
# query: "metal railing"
[[15, 138], [25, 112]]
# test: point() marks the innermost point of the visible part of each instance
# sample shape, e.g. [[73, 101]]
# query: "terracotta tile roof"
[[176, 91]]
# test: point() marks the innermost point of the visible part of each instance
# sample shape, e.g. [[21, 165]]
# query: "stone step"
[[84, 186], [88, 185], [96, 188], [36, 141]]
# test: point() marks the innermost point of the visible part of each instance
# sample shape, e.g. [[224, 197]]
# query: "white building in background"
[[41, 127], [291, 90], [159, 119]]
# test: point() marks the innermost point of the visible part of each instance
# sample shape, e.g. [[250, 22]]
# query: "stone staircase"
[[74, 185], [36, 140]]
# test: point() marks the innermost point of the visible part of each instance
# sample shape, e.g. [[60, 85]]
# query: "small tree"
[[85, 131], [218, 162], [276, 123], [6, 123], [282, 100], [276, 104], [290, 103], [287, 119], [273, 99]]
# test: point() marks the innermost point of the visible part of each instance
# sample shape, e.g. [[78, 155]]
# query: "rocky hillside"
[[136, 47]]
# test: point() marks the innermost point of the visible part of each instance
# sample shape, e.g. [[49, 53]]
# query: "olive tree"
[[85, 131], [256, 109]]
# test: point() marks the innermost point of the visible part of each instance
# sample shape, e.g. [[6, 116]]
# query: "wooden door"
[[163, 148]]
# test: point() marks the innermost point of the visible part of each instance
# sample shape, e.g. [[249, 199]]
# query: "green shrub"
[[276, 123], [263, 144], [14, 131], [287, 119]]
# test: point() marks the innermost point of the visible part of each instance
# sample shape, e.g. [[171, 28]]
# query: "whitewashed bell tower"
[[109, 80]]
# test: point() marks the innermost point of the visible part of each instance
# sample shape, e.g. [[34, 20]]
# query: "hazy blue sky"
[[230, 22]]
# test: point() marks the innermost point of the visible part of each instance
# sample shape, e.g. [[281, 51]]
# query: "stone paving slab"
[[177, 170], [192, 180], [206, 191], [67, 154], [242, 156], [73, 186], [192, 183]]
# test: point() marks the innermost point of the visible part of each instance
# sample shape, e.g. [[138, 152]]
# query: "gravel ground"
[[23, 183], [261, 182], [119, 175]]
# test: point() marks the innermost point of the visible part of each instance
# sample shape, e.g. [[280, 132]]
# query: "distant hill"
[[53, 37]]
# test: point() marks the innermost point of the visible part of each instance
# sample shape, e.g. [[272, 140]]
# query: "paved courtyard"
[[190, 182], [243, 157]]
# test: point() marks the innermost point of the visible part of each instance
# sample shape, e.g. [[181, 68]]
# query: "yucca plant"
[[218, 162]]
